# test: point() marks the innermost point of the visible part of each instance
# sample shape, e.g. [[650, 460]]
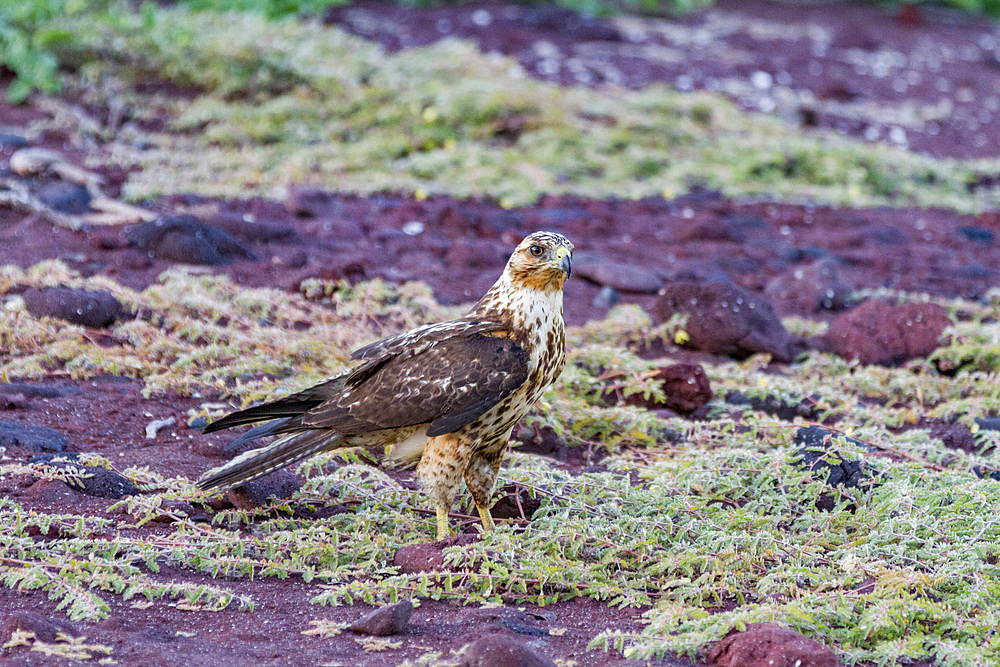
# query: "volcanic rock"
[[503, 650], [44, 627], [724, 318], [89, 308], [623, 277], [877, 332], [769, 645], [186, 239], [280, 484], [37, 438], [384, 621], [810, 289]]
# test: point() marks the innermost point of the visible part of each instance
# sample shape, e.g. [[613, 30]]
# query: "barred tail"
[[284, 451]]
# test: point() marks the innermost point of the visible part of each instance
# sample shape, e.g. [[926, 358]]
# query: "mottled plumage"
[[445, 396]]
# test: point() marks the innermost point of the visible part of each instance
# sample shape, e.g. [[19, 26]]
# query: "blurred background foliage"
[[27, 42]]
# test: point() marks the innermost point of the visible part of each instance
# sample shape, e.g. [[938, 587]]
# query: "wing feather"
[[414, 341], [445, 374], [447, 384]]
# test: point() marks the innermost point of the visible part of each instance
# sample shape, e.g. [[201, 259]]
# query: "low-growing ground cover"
[[706, 524], [637, 534]]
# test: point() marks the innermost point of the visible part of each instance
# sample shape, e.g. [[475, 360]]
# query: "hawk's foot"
[[442, 522], [484, 514]]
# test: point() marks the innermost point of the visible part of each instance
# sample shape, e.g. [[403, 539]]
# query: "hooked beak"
[[565, 261]]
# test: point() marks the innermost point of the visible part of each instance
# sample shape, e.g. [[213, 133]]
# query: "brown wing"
[[447, 384], [374, 356], [415, 340]]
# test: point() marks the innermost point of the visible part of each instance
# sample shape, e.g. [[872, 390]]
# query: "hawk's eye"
[[536, 250]]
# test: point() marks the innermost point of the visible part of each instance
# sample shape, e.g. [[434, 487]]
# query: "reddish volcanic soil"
[[626, 250], [632, 246]]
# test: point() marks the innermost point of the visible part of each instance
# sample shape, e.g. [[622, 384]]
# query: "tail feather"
[[258, 462], [289, 406], [273, 427], [260, 413]]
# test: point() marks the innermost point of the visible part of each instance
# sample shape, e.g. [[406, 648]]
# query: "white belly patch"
[[408, 451]]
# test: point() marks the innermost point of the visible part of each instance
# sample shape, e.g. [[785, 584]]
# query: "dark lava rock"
[[95, 309], [984, 472], [818, 452], [544, 442], [12, 141], [989, 423], [307, 202], [503, 650], [769, 645], [516, 620], [477, 254], [693, 270], [44, 627], [583, 26], [186, 239], [976, 233], [972, 271], [883, 235], [810, 289], [743, 226], [877, 332], [711, 229], [522, 628], [954, 436], [31, 390], [37, 438], [93, 480], [685, 386], [600, 270], [280, 484], [724, 318], [13, 401], [384, 621], [516, 502], [607, 297], [64, 197], [776, 406]]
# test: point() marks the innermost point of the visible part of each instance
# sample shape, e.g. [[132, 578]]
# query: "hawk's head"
[[541, 261]]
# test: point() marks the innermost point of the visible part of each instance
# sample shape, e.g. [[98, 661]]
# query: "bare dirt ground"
[[842, 67]]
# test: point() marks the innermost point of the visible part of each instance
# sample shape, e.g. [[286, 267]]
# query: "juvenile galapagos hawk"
[[445, 396]]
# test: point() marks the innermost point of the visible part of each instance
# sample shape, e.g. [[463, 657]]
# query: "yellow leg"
[[484, 514], [442, 519]]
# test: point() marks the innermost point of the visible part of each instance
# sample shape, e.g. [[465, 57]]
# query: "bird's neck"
[[528, 312]]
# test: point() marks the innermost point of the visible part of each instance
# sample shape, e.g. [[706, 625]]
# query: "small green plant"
[[25, 46]]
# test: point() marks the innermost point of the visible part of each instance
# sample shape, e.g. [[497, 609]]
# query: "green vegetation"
[[987, 7], [26, 44], [724, 527], [284, 101], [725, 519]]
